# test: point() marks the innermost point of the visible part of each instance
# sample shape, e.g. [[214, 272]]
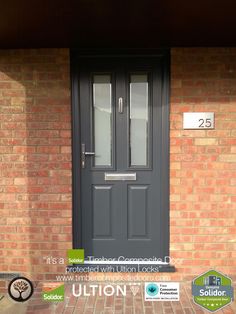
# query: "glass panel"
[[102, 113], [138, 119]]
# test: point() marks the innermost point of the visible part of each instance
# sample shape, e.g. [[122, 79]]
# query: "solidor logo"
[[212, 290]]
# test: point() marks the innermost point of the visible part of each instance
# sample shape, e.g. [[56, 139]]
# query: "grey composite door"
[[124, 156]]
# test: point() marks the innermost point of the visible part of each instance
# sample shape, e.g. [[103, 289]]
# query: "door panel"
[[102, 211], [138, 212], [121, 119]]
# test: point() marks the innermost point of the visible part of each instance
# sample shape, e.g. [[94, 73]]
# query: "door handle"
[[89, 153], [120, 105], [84, 154]]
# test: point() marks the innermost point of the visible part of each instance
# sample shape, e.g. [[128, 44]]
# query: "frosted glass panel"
[[138, 119], [102, 113]]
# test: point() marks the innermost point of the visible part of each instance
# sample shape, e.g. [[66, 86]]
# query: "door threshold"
[[119, 267]]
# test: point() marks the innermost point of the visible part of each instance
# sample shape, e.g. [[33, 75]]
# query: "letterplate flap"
[[131, 176]]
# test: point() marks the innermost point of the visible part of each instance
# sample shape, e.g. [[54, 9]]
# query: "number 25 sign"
[[198, 120]]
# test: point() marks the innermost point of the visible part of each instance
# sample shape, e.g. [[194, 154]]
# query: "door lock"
[[84, 154]]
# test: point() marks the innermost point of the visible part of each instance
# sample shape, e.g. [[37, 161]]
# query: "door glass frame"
[[149, 127], [112, 123]]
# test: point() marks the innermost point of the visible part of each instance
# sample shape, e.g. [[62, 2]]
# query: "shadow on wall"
[[35, 153]]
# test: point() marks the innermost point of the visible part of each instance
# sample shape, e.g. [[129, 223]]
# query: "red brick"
[[32, 115], [35, 149], [199, 87]]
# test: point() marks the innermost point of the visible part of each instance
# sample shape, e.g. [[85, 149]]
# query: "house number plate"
[[198, 120]]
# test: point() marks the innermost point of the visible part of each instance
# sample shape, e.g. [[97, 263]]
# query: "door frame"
[[75, 58]]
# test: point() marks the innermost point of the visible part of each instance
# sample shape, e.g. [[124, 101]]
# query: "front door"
[[123, 156]]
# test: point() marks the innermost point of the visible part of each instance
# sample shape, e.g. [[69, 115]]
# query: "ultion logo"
[[212, 290], [20, 289], [134, 288], [53, 291]]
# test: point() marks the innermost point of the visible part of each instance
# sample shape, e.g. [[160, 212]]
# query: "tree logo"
[[212, 290], [20, 289]]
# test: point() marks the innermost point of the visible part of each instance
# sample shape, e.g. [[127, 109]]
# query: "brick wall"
[[203, 163], [35, 159]]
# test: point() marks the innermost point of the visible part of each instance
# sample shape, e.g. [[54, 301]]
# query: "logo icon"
[[212, 290], [152, 289], [53, 291], [20, 289], [134, 288], [161, 291], [75, 256]]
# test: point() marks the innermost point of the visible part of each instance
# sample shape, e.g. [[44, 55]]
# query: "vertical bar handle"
[[120, 105]]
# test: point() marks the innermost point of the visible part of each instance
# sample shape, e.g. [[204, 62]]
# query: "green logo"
[[212, 290], [75, 256], [53, 292], [152, 289]]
